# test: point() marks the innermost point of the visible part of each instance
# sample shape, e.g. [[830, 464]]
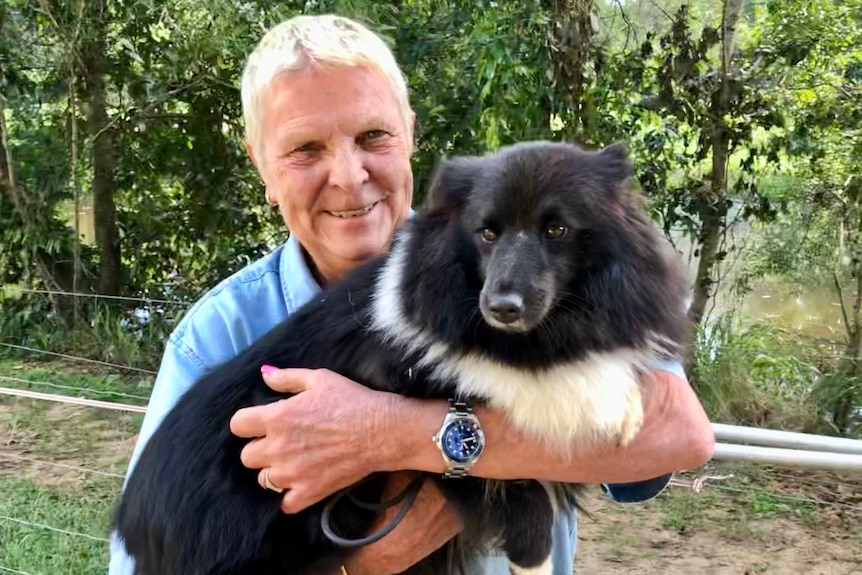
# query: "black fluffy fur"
[[191, 508]]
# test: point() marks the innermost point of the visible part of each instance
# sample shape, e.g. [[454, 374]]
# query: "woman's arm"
[[334, 432], [676, 435]]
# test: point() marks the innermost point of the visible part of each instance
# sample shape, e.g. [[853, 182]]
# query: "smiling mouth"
[[353, 213]]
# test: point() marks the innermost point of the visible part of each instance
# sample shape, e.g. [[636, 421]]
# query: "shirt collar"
[[297, 282]]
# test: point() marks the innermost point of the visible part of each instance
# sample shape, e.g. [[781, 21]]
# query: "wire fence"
[[16, 457], [16, 571], [24, 388], [696, 485], [141, 299], [77, 358], [54, 529]]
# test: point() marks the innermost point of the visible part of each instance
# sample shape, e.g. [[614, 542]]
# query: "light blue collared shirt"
[[244, 307]]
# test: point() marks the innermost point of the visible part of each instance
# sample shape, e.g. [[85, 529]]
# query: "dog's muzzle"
[[506, 308]]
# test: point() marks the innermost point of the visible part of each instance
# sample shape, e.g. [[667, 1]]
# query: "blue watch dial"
[[461, 441]]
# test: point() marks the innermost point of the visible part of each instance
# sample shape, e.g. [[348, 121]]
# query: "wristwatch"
[[460, 439]]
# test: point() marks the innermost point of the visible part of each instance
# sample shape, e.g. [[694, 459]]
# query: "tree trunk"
[[713, 219], [713, 210], [103, 156], [572, 51], [851, 363]]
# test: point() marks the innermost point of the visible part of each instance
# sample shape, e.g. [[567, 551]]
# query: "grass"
[[83, 509], [757, 374], [683, 511], [60, 497]]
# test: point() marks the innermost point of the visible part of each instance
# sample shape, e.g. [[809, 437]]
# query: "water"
[[811, 311], [815, 312]]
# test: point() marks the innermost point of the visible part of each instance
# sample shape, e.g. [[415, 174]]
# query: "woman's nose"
[[348, 171]]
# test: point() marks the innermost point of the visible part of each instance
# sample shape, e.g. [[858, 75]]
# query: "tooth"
[[353, 213]]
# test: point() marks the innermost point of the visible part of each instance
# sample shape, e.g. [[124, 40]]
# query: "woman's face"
[[335, 156]]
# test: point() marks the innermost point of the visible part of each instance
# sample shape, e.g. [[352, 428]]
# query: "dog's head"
[[540, 215]]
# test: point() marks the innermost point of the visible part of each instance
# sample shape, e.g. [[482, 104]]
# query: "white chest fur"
[[594, 399]]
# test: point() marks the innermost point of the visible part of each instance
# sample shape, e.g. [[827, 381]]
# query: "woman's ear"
[[249, 149]]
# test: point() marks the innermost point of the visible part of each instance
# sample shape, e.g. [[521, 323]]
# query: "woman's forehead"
[[317, 103]]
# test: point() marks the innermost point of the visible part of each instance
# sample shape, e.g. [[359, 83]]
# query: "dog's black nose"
[[507, 307]]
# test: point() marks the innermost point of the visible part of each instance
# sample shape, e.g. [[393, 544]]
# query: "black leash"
[[455, 558], [408, 495]]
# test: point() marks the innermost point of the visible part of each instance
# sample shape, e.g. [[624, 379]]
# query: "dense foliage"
[[740, 114]]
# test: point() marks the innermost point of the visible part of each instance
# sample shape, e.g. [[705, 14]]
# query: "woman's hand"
[[325, 438]]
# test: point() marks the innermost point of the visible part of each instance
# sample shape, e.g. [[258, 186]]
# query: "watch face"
[[462, 440]]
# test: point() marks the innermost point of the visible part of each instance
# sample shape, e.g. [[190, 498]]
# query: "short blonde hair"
[[303, 40]]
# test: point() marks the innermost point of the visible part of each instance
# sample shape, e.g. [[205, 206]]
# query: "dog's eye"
[[488, 235], [555, 232]]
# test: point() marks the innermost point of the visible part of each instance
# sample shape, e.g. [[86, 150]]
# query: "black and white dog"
[[532, 280]]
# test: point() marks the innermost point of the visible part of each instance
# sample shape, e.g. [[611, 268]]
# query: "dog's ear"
[[615, 173], [451, 184], [616, 164]]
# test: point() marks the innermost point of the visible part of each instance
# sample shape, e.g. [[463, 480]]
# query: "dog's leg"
[[528, 520]]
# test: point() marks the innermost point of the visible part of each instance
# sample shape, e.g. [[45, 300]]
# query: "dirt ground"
[[751, 529]]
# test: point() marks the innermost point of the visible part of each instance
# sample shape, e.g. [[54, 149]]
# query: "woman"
[[330, 131]]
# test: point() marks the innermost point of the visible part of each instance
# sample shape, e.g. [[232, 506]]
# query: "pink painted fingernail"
[[267, 369]]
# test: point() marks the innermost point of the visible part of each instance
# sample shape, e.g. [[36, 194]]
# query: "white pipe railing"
[[788, 457], [787, 448], [786, 439], [782, 448]]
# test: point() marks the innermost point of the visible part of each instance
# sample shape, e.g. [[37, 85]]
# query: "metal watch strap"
[[460, 407], [457, 470]]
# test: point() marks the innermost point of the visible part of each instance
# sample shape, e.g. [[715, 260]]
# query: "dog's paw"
[[546, 568], [626, 428]]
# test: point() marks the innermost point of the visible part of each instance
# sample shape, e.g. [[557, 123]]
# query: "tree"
[[695, 101], [103, 143]]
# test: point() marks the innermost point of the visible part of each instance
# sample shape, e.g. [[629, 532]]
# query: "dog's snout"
[[506, 307]]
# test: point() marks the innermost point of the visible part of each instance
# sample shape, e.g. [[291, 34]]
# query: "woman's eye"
[[309, 147], [373, 135], [555, 232]]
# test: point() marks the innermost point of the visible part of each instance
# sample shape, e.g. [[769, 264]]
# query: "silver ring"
[[267, 482]]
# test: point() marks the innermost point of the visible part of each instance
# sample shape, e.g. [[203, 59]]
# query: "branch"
[[662, 10], [840, 291], [653, 103], [44, 9], [166, 96], [630, 28], [732, 12]]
